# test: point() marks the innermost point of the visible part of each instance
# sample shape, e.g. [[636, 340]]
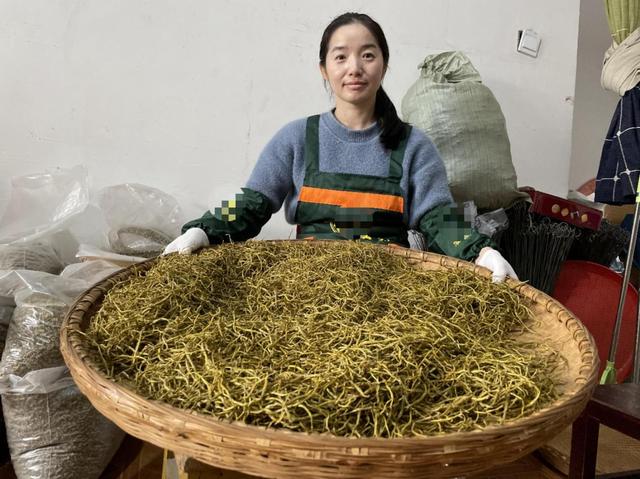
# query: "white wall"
[[594, 106], [182, 95]]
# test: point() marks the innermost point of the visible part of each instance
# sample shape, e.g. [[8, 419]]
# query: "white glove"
[[495, 262], [193, 239]]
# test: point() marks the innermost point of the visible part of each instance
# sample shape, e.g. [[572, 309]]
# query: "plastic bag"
[[141, 220], [90, 272], [90, 253], [40, 204], [53, 430], [464, 120], [492, 223], [40, 209], [42, 301], [38, 255], [33, 337], [6, 312]]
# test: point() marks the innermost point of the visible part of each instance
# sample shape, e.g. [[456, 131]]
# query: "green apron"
[[350, 206]]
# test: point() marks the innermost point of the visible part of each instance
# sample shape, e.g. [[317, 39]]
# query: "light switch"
[[529, 43]]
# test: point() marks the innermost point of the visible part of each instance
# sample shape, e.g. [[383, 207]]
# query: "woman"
[[357, 172]]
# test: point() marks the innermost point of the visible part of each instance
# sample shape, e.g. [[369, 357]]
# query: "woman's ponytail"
[[393, 129]]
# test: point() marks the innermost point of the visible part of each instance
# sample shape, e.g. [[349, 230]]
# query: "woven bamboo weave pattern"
[[279, 453]]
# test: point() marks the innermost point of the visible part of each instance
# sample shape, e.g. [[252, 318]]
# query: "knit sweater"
[[279, 171]]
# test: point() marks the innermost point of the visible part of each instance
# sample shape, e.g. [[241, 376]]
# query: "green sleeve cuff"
[[447, 232], [235, 220]]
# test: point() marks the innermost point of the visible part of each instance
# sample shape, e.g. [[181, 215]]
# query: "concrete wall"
[[594, 106]]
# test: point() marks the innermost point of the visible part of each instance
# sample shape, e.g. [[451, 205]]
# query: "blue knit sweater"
[[279, 172]]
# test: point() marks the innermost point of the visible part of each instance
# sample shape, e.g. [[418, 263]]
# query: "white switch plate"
[[529, 43]]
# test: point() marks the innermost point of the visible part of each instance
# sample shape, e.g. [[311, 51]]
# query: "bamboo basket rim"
[[76, 356]]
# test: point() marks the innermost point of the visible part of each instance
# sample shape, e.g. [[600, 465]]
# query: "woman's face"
[[354, 66]]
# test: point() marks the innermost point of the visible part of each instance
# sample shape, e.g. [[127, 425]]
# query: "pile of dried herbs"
[[336, 337]]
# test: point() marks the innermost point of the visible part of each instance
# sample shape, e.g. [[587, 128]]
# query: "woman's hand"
[[191, 240], [494, 261]]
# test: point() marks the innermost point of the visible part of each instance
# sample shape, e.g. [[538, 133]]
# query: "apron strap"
[[312, 146]]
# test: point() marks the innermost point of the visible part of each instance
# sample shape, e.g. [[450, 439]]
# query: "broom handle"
[[635, 379], [613, 349]]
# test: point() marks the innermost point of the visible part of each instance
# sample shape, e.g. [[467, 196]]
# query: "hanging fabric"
[[623, 17], [621, 68], [620, 160]]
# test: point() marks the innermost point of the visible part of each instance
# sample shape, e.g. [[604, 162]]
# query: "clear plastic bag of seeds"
[[52, 429], [42, 203], [41, 207], [36, 255], [141, 220]]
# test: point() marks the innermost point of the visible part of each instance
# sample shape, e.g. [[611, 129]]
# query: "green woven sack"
[[464, 120]]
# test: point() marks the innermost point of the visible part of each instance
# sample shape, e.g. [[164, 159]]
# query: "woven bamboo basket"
[[279, 453]]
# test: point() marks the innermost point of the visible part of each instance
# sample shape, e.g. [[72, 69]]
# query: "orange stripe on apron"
[[351, 199]]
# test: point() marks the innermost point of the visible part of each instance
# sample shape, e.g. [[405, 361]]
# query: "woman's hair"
[[393, 129]]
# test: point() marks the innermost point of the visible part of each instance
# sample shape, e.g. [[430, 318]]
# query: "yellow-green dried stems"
[[337, 337]]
